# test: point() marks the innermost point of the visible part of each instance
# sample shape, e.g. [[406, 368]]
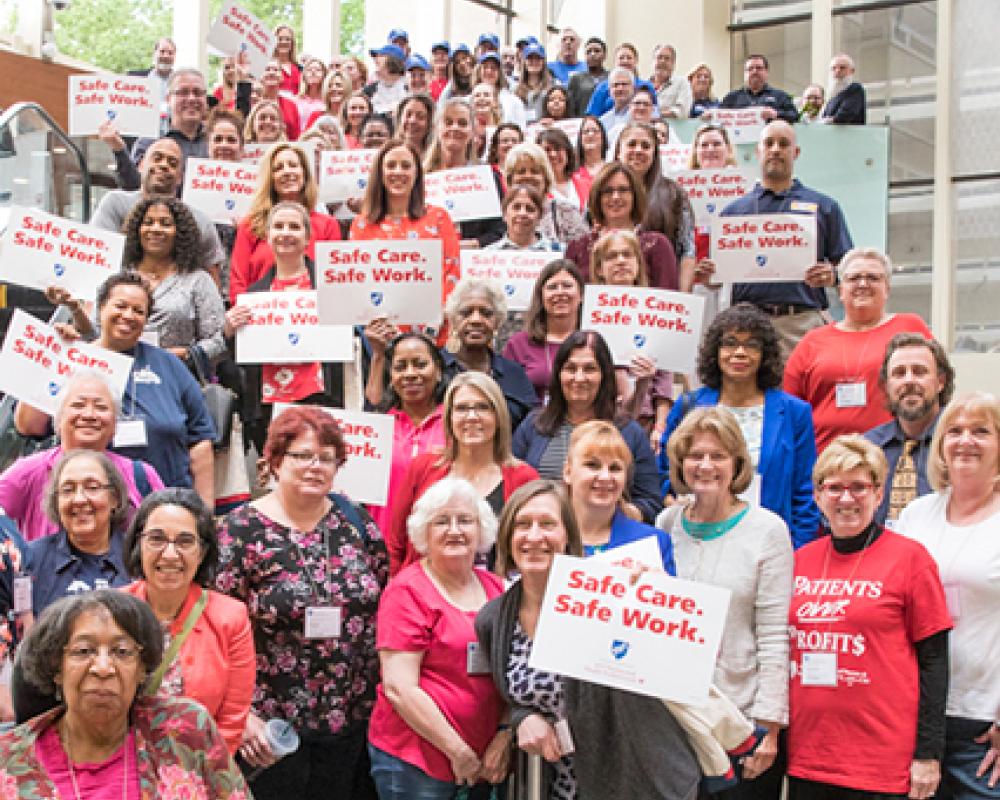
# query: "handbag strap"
[[175, 645]]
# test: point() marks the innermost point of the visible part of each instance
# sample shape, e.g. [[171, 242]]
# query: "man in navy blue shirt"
[[794, 307], [776, 103], [568, 63], [918, 381]]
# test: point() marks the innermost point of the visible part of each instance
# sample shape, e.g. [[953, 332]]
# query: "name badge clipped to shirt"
[[22, 595], [476, 662], [852, 395], [953, 598], [130, 432], [819, 669], [323, 622]]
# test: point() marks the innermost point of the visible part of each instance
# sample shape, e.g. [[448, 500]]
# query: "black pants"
[[799, 789], [324, 767]]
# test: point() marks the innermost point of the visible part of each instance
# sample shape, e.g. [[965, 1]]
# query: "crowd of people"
[[162, 634]]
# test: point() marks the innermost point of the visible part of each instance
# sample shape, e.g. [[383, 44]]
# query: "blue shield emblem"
[[111, 114], [639, 340], [293, 339], [509, 290], [619, 649], [710, 207], [376, 298], [59, 270], [761, 261], [230, 204], [54, 388]]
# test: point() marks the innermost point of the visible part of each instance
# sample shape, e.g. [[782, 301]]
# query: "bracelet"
[[503, 726]]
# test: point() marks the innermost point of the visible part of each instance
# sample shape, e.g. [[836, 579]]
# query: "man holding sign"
[[800, 306], [756, 92]]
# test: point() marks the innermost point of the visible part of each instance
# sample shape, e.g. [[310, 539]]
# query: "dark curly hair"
[[741, 318], [187, 240], [390, 399]]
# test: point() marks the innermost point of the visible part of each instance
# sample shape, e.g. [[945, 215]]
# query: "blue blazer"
[[625, 531], [787, 455], [529, 445]]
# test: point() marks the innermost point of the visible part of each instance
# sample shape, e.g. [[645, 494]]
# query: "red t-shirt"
[[413, 616], [868, 609], [828, 356], [288, 383]]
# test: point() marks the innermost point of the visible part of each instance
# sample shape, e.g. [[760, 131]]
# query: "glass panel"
[[910, 249], [787, 47], [977, 241], [976, 103], [750, 11]]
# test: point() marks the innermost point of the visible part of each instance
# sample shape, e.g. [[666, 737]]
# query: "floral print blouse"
[[317, 684], [181, 755]]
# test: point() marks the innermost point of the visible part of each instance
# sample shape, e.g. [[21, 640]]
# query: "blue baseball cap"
[[398, 33], [526, 40], [461, 47], [533, 49], [492, 55], [490, 39], [389, 50], [417, 61], [441, 46]]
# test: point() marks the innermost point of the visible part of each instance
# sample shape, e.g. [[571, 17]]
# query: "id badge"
[[953, 597], [130, 432], [476, 662], [22, 595], [852, 395], [322, 622], [564, 737], [819, 669]]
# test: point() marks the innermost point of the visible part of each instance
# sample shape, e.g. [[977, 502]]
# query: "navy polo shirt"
[[510, 377], [768, 97], [163, 393], [833, 240], [58, 569], [890, 438]]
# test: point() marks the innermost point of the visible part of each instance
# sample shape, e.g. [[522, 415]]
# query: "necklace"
[[72, 769], [707, 531]]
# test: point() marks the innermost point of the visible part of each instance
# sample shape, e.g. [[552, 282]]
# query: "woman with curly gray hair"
[[87, 498], [89, 656], [475, 310], [162, 243], [435, 726], [739, 363]]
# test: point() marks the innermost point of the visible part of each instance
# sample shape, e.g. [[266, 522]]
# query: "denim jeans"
[[397, 780], [962, 757]]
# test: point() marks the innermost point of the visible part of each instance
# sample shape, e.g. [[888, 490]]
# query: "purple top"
[[536, 359], [22, 489], [661, 387]]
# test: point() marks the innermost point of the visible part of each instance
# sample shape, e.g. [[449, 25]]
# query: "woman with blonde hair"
[[702, 99], [334, 93], [284, 54], [265, 124], [958, 524], [477, 448], [311, 98], [285, 175], [528, 165]]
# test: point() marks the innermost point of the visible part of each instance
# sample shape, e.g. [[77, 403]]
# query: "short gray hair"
[[536, 154], [478, 287], [438, 495], [40, 654], [183, 72], [857, 253], [82, 376], [619, 71], [50, 502]]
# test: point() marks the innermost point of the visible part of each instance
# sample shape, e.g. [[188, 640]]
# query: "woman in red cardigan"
[[173, 550], [284, 176], [477, 448]]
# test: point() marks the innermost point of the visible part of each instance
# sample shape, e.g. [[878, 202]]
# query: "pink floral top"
[[180, 755], [317, 684]]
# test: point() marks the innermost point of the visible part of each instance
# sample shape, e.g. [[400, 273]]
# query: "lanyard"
[[326, 566]]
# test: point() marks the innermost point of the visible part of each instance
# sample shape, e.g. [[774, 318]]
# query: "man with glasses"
[[756, 92], [622, 88], [582, 83], [626, 57]]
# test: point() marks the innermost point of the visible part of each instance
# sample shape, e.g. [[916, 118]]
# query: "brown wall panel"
[[23, 78]]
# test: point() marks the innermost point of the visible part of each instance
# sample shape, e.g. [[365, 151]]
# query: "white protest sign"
[[221, 189], [763, 247], [254, 151], [465, 193], [594, 625], [710, 190], [284, 329], [36, 363], [361, 281], [364, 478], [674, 157], [643, 552], [238, 32], [42, 250], [662, 325], [571, 127], [744, 124], [515, 270], [131, 103], [343, 174]]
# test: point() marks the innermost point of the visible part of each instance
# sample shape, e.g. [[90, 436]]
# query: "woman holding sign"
[[869, 628], [723, 540], [285, 176], [310, 565], [453, 148], [583, 387], [527, 165], [618, 202]]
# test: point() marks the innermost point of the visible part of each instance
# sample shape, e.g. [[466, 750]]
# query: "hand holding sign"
[[763, 247], [131, 103]]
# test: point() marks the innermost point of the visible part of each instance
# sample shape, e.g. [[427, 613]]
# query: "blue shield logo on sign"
[[761, 261], [509, 290], [59, 269], [111, 113], [619, 648], [639, 340], [54, 388], [293, 338], [376, 298]]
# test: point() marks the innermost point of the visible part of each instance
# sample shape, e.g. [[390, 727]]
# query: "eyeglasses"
[[856, 489], [120, 653], [608, 191], [91, 490], [182, 542], [463, 522], [302, 459], [857, 278], [468, 409], [731, 343], [185, 93]]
